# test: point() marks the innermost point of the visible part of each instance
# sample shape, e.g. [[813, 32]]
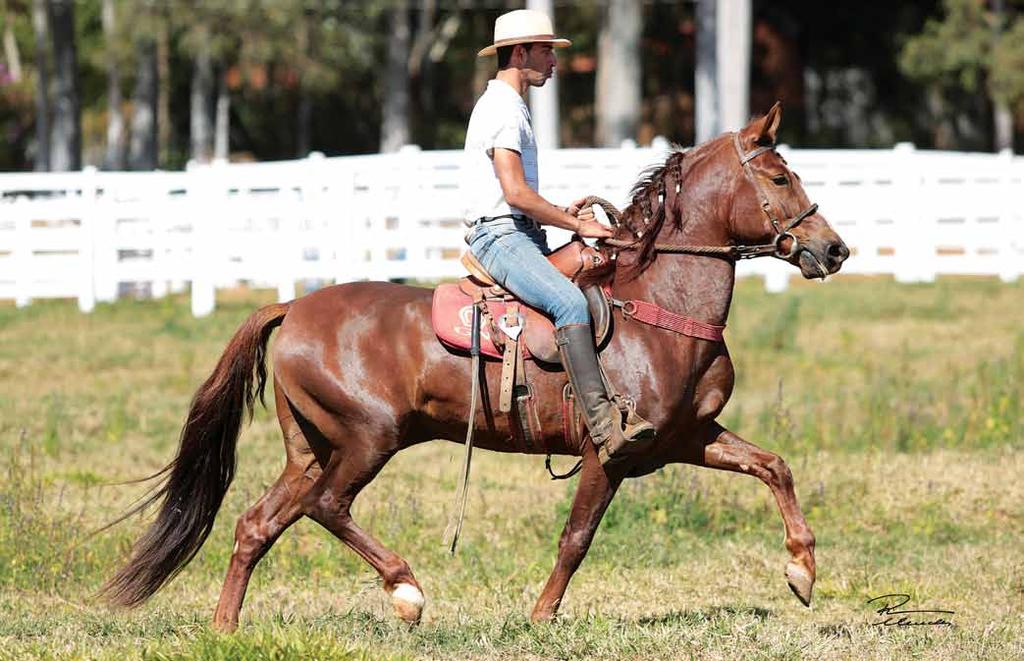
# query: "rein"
[[734, 252]]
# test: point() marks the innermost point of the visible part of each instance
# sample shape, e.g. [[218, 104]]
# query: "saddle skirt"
[[452, 310]]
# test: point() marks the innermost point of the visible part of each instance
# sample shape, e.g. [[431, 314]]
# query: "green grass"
[[897, 407]]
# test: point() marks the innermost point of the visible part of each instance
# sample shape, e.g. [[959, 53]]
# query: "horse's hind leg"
[[263, 523], [730, 452], [596, 489], [348, 471]]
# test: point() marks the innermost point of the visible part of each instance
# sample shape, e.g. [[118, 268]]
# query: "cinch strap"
[[654, 315]]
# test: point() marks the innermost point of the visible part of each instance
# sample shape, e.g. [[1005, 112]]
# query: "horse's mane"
[[652, 198]]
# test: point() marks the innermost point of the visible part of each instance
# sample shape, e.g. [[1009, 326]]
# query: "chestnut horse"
[[360, 375]]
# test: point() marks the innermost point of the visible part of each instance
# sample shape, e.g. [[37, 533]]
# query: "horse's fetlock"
[[800, 544]]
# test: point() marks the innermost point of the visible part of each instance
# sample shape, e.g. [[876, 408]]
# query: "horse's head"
[[771, 207]]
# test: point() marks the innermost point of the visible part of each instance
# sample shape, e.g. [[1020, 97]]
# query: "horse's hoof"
[[408, 602], [224, 626], [801, 582], [541, 617]]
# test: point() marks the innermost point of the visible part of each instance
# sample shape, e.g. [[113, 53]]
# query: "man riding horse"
[[505, 214]]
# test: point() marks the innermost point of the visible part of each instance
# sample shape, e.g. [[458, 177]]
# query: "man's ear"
[[520, 53]]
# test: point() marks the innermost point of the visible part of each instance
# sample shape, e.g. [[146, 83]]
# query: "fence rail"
[[95, 236]]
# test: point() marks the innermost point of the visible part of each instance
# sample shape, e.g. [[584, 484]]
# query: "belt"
[[514, 216]]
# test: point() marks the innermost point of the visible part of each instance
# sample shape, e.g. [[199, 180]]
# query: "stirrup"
[[635, 437]]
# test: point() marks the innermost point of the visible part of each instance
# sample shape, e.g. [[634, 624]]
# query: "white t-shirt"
[[500, 119]]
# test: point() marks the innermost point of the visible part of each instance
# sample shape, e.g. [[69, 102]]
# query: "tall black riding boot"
[[604, 419]]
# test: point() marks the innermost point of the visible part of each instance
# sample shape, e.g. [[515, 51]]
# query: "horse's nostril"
[[838, 251]]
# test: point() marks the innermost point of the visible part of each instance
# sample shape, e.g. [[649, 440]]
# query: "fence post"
[[21, 252], [914, 243], [91, 204], [203, 188], [1011, 253], [159, 202], [346, 220], [407, 205], [776, 276], [105, 254]]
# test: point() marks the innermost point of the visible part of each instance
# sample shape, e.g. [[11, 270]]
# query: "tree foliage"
[[975, 46], [310, 73]]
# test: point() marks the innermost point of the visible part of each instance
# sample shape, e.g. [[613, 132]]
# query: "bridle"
[[781, 232], [773, 248]]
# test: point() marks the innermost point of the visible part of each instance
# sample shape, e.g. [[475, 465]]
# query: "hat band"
[[511, 41]]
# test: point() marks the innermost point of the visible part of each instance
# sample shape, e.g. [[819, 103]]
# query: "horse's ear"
[[765, 129]]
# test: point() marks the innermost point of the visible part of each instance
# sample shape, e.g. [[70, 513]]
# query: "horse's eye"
[[780, 180]]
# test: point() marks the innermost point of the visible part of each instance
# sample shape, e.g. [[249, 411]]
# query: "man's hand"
[[588, 226], [576, 209], [594, 230]]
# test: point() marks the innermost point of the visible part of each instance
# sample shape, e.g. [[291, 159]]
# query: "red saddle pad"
[[452, 314]]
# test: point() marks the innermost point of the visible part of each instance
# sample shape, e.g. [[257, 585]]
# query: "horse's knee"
[[779, 471]]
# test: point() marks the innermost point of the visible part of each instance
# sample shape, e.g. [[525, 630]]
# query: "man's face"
[[539, 64]]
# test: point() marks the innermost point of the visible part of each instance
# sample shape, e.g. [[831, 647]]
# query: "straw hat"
[[523, 26]]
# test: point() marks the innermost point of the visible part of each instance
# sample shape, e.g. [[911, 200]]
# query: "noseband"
[[774, 249], [781, 232]]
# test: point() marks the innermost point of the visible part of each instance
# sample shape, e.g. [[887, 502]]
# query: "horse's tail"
[[193, 485]]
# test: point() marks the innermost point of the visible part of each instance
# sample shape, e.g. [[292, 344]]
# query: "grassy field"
[[897, 407]]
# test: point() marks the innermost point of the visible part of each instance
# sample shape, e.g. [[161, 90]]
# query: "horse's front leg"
[[728, 451], [596, 489]]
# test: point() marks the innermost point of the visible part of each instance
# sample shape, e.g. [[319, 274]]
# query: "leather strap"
[[508, 375], [512, 360], [526, 424], [654, 315]]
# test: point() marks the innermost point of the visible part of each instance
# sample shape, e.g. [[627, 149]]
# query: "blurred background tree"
[[970, 59], [159, 82]]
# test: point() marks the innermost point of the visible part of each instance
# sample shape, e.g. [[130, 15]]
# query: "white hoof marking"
[[408, 601]]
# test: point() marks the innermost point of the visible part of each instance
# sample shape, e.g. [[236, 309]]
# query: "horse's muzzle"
[[820, 259]]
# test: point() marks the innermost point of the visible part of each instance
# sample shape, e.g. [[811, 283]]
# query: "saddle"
[[506, 318]]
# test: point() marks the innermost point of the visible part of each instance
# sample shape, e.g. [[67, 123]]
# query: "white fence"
[[96, 235]]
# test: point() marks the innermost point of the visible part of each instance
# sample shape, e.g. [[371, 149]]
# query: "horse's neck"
[[690, 285]]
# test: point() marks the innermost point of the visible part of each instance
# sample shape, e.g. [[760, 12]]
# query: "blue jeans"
[[514, 253]]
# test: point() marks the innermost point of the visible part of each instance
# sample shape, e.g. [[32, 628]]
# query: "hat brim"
[[556, 42]]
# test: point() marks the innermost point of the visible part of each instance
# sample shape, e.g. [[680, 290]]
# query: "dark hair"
[[505, 54]]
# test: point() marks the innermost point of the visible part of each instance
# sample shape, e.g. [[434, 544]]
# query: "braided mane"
[[651, 197]]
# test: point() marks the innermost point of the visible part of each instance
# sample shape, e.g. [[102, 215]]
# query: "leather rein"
[[735, 252]]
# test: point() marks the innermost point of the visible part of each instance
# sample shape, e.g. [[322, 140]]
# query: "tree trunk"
[[222, 138], [394, 129], [163, 82], [733, 54], [1003, 120], [11, 52], [40, 25], [305, 121], [304, 116], [201, 115], [618, 74], [421, 74], [544, 100], [705, 83], [143, 152], [66, 148], [1002, 115], [114, 159]]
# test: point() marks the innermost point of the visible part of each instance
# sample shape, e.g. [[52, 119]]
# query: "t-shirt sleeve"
[[507, 134]]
